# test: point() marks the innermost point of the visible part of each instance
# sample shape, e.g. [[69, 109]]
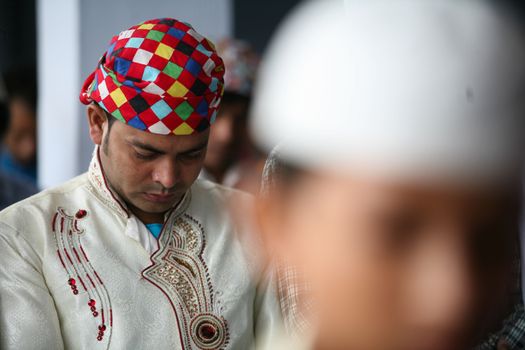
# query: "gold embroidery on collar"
[[180, 271]]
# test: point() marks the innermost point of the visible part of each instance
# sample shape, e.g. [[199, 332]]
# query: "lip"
[[159, 198]]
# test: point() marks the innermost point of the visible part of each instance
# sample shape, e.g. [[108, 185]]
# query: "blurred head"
[[150, 172], [227, 134], [404, 220], [21, 135], [396, 264], [229, 138]]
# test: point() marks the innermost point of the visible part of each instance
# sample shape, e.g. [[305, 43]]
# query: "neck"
[[147, 218], [151, 218]]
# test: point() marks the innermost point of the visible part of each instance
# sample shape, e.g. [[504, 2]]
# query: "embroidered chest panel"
[[180, 271], [83, 279]]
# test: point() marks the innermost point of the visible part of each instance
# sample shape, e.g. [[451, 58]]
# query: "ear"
[[97, 122]]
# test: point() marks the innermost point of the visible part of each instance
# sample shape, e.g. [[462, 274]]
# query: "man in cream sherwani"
[[137, 253]]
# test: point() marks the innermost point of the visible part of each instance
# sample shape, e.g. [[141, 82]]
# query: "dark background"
[[255, 22], [17, 34]]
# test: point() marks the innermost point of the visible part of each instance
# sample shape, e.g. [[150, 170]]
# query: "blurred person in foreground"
[[137, 253], [18, 154], [232, 159], [395, 208], [12, 189]]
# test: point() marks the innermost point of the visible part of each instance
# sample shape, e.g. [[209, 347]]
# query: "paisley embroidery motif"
[[83, 279], [179, 270]]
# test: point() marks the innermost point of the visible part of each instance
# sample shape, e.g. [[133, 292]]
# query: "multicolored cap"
[[160, 76], [241, 63]]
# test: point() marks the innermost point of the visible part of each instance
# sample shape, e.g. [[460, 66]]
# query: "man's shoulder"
[[217, 202], [42, 202]]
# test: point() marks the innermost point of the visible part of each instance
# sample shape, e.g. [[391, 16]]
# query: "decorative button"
[[208, 331], [73, 284], [80, 214]]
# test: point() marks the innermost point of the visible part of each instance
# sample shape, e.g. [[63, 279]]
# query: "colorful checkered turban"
[[160, 76]]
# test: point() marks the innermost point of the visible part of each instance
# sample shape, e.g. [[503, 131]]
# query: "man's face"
[[395, 265], [151, 172], [20, 137]]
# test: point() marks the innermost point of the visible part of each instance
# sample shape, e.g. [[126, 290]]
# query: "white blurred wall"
[[72, 35]]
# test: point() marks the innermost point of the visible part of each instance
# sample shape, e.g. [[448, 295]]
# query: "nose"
[[166, 173]]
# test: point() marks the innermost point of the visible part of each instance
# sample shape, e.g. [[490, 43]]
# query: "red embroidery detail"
[[53, 223], [101, 330], [67, 256], [67, 236], [76, 254], [82, 282], [207, 331], [92, 306], [81, 214], [72, 284], [60, 256], [93, 284], [84, 253], [98, 278]]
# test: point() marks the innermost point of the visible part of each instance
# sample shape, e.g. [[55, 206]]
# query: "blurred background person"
[[12, 189], [18, 154], [232, 158], [395, 210]]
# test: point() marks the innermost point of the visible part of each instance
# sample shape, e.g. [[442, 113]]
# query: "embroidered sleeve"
[[28, 318]]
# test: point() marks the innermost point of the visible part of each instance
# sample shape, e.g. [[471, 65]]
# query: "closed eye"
[[192, 155], [145, 155]]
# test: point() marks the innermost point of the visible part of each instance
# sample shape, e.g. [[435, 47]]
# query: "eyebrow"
[[149, 148], [146, 147]]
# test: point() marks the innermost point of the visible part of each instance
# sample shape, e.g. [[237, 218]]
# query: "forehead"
[[424, 194], [165, 143]]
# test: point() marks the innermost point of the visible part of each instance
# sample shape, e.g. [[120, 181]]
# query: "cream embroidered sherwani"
[[78, 271]]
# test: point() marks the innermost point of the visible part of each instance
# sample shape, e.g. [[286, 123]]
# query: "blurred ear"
[[270, 219], [97, 122]]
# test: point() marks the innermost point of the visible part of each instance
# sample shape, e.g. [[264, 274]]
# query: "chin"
[[156, 208]]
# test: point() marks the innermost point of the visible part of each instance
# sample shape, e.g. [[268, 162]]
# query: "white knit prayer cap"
[[417, 87]]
